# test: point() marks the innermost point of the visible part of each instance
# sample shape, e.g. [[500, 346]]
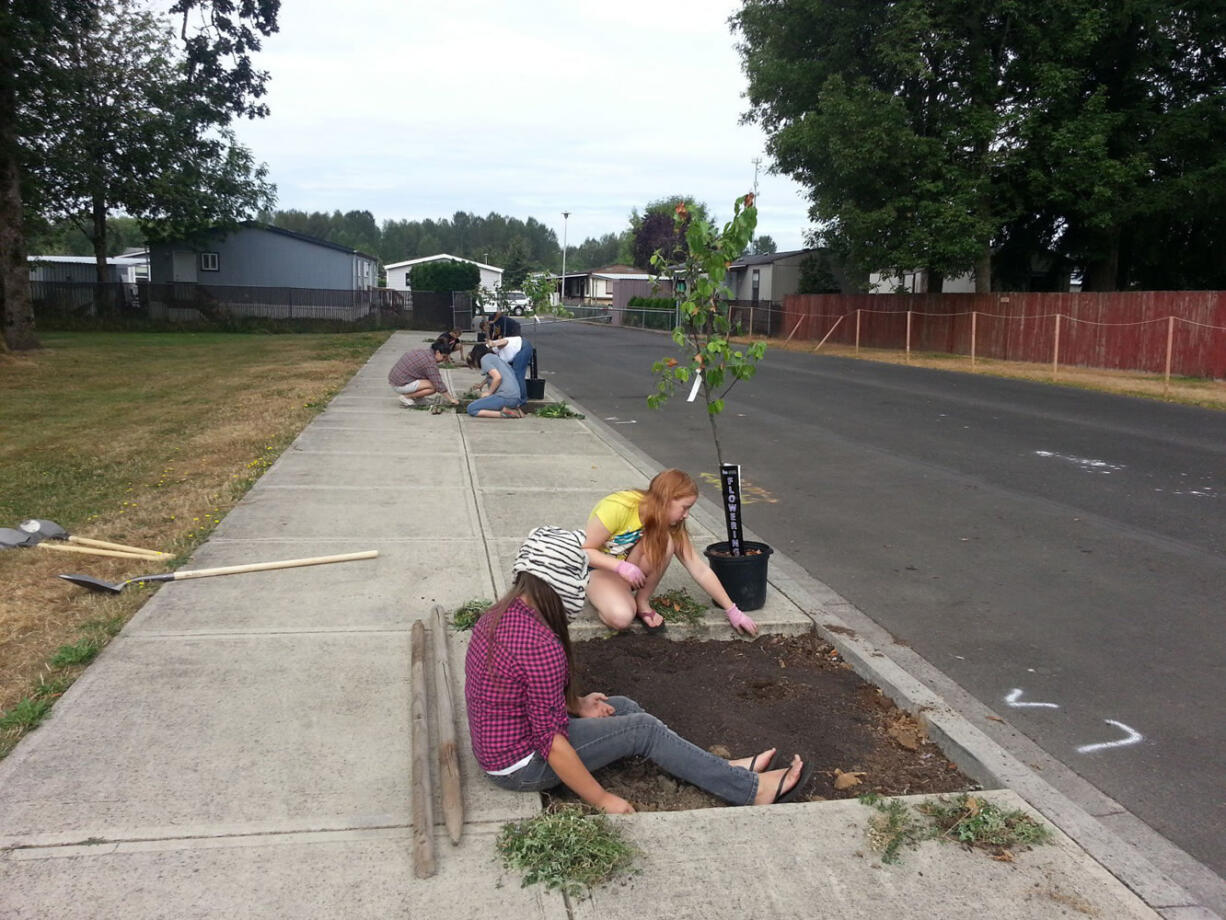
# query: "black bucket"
[[535, 387], [743, 577]]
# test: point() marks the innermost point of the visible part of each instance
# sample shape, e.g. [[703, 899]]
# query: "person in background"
[[451, 338], [416, 375], [499, 395], [530, 728], [501, 326], [517, 352], [632, 536]]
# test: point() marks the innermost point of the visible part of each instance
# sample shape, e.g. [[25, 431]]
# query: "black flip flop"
[[652, 629], [753, 762], [780, 795]]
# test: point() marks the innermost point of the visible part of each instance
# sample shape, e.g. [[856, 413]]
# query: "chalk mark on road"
[[1014, 699], [1133, 737]]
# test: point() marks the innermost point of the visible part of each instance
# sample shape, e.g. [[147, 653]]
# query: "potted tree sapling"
[[714, 367]]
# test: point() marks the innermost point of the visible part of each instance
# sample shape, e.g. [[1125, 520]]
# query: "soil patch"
[[794, 693]]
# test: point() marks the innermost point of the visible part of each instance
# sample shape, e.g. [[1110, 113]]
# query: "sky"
[[415, 110]]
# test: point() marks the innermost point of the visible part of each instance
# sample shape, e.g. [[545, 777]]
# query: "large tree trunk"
[[1102, 273], [983, 271], [14, 269]]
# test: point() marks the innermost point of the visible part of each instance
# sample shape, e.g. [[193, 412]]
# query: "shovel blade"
[[10, 538], [48, 530], [94, 584]]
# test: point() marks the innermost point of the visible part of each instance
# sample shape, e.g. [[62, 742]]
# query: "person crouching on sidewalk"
[[416, 376], [532, 731], [499, 394]]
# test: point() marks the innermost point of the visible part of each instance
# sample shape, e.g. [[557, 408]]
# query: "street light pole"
[[562, 287]]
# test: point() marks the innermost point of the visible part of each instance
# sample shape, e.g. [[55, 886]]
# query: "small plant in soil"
[[566, 848], [893, 827], [465, 617], [558, 410], [677, 606]]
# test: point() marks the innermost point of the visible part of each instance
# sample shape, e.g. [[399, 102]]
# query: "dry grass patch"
[[146, 439], [1209, 394]]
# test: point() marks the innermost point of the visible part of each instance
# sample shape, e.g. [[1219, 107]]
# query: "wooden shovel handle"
[[60, 548], [264, 566], [121, 547]]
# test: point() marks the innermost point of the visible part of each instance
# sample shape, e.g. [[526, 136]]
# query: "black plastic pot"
[[535, 387], [743, 577]]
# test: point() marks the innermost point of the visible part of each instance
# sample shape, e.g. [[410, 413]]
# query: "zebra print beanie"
[[557, 557]]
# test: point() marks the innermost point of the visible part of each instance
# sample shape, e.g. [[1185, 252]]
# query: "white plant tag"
[[694, 388]]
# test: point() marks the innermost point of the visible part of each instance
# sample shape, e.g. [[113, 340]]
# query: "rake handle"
[[121, 547], [265, 566], [94, 552]]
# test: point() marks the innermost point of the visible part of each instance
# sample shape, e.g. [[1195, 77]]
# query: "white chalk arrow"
[[1133, 737], [1014, 699]]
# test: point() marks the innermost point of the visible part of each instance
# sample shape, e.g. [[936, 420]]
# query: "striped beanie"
[[557, 557]]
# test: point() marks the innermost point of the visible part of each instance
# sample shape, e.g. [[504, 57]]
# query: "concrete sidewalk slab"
[[319, 876], [387, 592], [375, 513], [813, 860], [509, 436], [323, 469], [584, 473], [381, 440]]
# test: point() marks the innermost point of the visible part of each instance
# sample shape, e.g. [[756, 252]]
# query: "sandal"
[[511, 413], [644, 614], [780, 795], [753, 763]]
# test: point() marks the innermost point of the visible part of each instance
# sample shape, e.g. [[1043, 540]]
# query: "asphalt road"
[[1018, 536]]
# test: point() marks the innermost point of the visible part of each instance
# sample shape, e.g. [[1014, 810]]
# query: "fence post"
[[1170, 339], [289, 296], [908, 336], [857, 331], [974, 317], [1055, 352], [751, 319]]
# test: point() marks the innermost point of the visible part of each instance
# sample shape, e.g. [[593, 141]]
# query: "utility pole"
[[757, 161], [562, 286]]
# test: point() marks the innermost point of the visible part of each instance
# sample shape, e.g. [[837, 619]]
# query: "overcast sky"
[[415, 110]]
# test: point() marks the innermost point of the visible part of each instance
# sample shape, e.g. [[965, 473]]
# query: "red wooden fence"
[[1127, 330]]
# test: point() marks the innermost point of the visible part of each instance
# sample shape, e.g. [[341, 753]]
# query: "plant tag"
[[730, 488], [694, 388]]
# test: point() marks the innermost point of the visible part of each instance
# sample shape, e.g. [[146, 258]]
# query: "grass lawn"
[[144, 438]]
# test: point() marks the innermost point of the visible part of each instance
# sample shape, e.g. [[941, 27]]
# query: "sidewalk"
[[241, 749]]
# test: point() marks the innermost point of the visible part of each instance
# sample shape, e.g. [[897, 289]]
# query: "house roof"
[[293, 234], [623, 276], [617, 269], [87, 260], [440, 257], [767, 258]]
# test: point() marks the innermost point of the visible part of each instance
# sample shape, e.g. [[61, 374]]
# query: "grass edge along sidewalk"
[[146, 437]]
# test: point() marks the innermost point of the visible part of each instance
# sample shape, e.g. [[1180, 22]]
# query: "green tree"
[[121, 132], [447, 275], [762, 246], [515, 265], [656, 231]]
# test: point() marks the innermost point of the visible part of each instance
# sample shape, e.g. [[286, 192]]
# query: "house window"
[[209, 262], [407, 276]]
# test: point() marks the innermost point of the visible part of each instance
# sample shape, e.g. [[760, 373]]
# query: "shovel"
[[12, 539], [49, 530], [97, 584]]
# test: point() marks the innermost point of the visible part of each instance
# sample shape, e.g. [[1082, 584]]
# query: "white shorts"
[[409, 388]]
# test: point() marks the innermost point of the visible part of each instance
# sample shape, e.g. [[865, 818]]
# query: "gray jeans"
[[629, 732]]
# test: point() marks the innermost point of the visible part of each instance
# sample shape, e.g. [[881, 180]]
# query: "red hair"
[[653, 512]]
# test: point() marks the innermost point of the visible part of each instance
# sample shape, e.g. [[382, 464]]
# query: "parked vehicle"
[[518, 303]]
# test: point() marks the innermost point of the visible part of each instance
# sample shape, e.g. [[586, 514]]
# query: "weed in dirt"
[[27, 714], [110, 626], [567, 848], [558, 410], [973, 821], [81, 652], [466, 615], [966, 819], [677, 606]]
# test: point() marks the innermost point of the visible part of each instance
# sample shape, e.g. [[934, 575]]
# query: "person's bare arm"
[[595, 537], [565, 762]]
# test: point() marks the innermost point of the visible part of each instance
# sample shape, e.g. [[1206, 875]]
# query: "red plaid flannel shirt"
[[418, 364], [516, 696]]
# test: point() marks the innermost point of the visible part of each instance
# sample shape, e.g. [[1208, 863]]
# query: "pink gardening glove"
[[632, 573], [740, 622]]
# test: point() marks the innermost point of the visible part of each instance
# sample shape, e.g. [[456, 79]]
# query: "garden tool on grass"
[[49, 530], [97, 584], [14, 539]]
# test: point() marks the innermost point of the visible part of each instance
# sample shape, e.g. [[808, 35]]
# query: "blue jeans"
[[494, 402], [628, 732], [520, 364]]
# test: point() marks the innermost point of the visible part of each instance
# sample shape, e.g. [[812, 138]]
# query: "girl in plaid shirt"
[[531, 730]]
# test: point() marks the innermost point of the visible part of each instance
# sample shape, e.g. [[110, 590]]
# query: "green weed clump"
[[466, 616], [966, 819], [677, 606], [558, 410], [566, 848]]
